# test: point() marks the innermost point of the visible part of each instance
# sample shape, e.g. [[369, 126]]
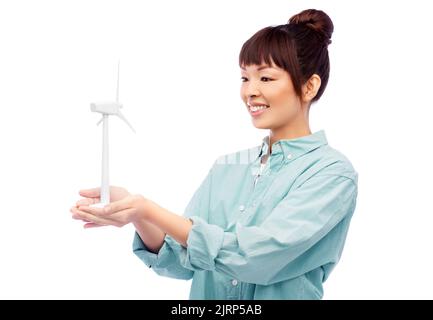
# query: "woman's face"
[[270, 86]]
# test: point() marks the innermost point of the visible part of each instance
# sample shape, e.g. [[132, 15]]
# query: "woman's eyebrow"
[[260, 67]]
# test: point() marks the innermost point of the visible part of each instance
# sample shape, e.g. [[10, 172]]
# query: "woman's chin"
[[260, 125]]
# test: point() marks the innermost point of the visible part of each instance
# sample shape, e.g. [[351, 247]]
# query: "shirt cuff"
[[141, 251], [203, 245]]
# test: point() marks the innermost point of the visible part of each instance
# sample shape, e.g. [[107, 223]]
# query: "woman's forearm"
[[151, 235], [165, 222], [157, 222]]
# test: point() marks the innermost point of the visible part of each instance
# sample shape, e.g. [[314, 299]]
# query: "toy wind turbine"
[[107, 109]]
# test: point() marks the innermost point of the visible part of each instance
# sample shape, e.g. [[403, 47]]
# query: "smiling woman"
[[267, 222], [286, 66]]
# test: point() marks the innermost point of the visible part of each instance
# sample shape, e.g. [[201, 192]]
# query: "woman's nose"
[[252, 90]]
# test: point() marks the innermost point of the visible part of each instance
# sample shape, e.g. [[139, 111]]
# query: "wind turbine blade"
[[118, 73], [99, 122], [121, 116]]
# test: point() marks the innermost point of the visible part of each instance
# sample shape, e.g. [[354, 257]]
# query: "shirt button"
[[234, 282], [241, 208], [289, 156]]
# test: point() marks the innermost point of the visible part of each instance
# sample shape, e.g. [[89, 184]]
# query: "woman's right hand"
[[92, 196]]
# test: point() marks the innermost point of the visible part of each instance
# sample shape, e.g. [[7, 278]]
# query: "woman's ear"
[[310, 88]]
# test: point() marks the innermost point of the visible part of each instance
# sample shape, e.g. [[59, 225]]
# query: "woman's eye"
[[266, 79]]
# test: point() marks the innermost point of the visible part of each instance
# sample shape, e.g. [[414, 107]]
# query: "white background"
[[180, 85]]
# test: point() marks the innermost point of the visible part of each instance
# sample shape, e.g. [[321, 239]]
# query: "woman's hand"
[[123, 209], [151, 221]]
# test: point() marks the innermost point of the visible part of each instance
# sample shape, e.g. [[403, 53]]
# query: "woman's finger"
[[83, 215], [116, 206], [92, 210], [118, 219], [75, 214], [90, 193], [92, 225], [87, 201]]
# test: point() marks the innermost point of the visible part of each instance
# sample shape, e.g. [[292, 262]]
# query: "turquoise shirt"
[[274, 233]]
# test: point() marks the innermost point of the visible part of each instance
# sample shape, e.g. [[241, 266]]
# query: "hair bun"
[[316, 20]]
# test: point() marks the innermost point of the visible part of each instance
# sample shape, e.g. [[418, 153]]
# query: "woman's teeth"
[[256, 108]]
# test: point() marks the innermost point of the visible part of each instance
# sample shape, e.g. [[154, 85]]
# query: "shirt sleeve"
[[299, 235], [170, 259]]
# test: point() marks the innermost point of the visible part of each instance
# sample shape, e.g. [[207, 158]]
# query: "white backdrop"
[[180, 85]]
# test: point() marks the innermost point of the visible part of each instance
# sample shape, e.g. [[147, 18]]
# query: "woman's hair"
[[300, 47]]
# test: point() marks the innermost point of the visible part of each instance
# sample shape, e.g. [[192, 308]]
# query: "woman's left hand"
[[118, 213]]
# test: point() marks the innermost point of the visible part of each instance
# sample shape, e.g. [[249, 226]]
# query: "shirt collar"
[[293, 148]]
